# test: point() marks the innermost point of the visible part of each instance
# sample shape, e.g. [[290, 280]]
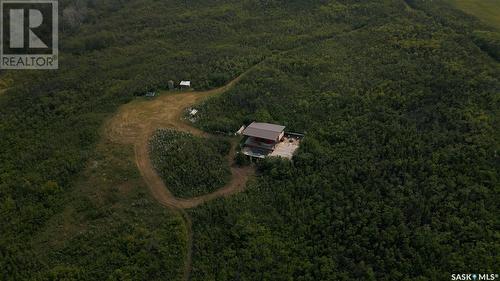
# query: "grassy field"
[[485, 10]]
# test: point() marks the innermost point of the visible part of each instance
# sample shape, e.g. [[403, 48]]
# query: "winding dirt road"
[[135, 123]]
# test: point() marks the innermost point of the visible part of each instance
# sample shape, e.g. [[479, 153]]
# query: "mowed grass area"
[[486, 10]]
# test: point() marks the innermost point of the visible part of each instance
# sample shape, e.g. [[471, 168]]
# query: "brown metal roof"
[[264, 130]]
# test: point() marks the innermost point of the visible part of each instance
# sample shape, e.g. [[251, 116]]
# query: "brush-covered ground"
[[397, 178], [190, 165]]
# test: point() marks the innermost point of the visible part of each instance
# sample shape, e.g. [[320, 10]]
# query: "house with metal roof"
[[265, 131], [265, 139]]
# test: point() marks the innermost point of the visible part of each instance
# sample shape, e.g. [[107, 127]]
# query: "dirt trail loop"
[[136, 121], [134, 124]]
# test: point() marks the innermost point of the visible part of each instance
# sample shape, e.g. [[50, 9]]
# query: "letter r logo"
[[29, 34], [17, 28]]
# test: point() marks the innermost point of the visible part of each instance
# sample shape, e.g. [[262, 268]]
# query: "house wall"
[[260, 143], [281, 136]]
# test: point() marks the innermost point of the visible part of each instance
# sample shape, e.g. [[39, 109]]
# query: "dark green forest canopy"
[[397, 177]]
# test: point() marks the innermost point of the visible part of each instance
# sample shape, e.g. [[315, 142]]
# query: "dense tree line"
[[396, 179], [190, 165], [50, 121], [398, 174]]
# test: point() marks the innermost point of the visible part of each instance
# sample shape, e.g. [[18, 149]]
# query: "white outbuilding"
[[185, 84]]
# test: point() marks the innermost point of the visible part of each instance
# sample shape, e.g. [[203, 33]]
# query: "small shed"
[[185, 84], [193, 112], [150, 94]]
